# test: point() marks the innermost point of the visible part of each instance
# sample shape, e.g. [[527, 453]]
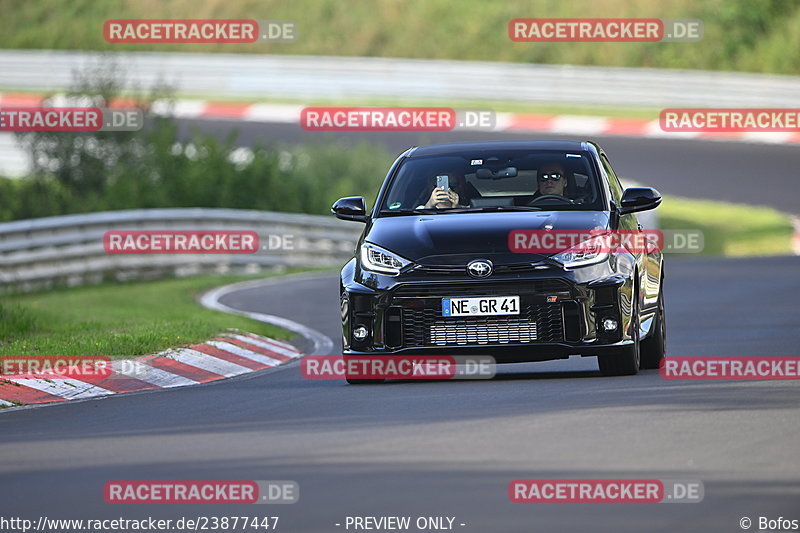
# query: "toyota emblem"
[[480, 268]]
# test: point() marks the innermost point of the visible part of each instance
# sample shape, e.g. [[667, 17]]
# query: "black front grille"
[[461, 270], [535, 323], [482, 288], [539, 320]]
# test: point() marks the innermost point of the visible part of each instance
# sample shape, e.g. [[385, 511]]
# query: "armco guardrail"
[[257, 76], [68, 250]]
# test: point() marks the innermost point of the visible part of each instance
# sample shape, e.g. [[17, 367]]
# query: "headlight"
[[589, 252], [376, 259]]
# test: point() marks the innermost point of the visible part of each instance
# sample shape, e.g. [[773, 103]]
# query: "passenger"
[[441, 199], [445, 199]]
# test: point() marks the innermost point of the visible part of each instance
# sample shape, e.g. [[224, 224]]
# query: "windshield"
[[493, 180]]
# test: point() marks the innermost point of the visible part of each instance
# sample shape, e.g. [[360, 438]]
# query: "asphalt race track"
[[451, 448]]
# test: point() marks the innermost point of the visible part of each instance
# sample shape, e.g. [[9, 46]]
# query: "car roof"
[[432, 149]]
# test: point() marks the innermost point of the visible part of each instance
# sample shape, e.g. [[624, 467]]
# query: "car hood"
[[454, 239]]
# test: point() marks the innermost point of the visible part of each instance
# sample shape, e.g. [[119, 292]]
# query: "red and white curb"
[[515, 122], [230, 354], [627, 127]]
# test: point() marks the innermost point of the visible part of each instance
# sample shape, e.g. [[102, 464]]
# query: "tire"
[[365, 381], [654, 347], [624, 362]]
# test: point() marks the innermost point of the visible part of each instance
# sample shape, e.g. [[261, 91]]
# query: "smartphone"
[[443, 182]]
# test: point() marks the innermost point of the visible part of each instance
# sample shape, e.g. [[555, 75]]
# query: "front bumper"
[[559, 313]]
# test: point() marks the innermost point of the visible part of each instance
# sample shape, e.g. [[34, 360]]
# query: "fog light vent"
[[609, 324], [360, 333]]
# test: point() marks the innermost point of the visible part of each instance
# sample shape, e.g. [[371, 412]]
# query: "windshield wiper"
[[506, 208]]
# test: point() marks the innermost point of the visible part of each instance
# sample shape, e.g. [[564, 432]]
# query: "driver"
[[552, 180]]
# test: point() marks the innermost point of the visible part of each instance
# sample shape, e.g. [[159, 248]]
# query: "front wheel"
[[654, 347], [625, 362]]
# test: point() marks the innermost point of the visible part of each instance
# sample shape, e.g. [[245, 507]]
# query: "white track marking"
[[65, 388], [767, 137], [272, 344], [155, 376], [263, 343], [579, 125], [206, 362], [238, 350], [289, 114], [179, 108]]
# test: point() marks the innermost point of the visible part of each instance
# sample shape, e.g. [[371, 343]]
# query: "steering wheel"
[[550, 197]]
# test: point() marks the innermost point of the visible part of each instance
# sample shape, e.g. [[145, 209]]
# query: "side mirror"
[[350, 208], [637, 199]]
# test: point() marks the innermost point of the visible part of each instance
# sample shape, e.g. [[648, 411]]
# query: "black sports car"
[[436, 272]]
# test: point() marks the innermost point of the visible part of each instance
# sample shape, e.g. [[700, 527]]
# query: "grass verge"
[[118, 320], [733, 230]]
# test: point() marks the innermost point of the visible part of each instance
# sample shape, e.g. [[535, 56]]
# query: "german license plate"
[[481, 306]]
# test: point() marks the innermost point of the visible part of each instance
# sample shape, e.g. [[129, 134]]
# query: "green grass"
[[118, 320], [732, 230], [16, 320], [761, 36]]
